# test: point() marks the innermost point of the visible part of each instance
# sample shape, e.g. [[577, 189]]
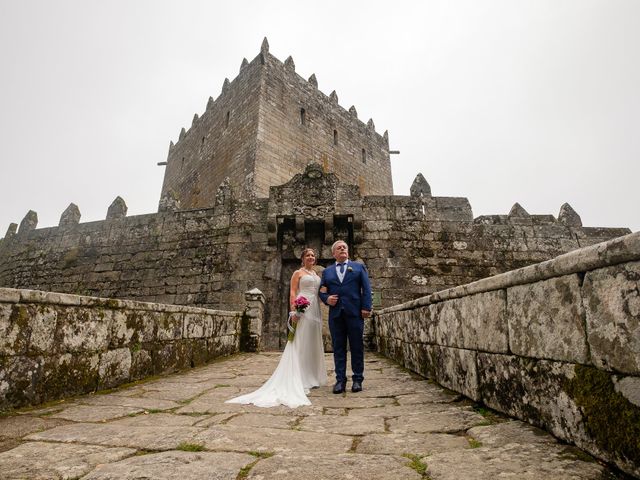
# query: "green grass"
[[473, 443], [142, 452], [261, 454], [244, 471], [190, 447], [490, 417], [417, 464]]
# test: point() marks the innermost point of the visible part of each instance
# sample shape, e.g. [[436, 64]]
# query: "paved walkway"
[[178, 427]]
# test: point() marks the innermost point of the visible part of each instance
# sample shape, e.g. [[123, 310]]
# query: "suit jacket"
[[354, 293]]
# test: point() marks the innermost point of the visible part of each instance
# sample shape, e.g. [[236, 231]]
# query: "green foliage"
[[244, 471], [261, 454], [141, 452], [190, 447], [416, 463], [473, 443], [491, 417]]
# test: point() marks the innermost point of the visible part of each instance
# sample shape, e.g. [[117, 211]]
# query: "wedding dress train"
[[301, 365]]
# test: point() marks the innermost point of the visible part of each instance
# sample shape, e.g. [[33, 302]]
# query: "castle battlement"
[[289, 68]]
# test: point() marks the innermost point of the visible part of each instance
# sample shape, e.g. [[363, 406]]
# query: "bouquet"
[[300, 304]]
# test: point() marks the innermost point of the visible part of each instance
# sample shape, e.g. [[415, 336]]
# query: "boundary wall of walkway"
[[556, 344], [54, 345]]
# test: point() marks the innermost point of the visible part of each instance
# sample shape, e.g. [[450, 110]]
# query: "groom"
[[345, 288]]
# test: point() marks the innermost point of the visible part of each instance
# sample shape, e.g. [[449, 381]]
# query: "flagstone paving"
[[178, 427]]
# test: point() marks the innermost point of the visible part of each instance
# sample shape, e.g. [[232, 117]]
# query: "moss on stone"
[[112, 303], [610, 419], [70, 258], [473, 443], [190, 447], [69, 375], [417, 464]]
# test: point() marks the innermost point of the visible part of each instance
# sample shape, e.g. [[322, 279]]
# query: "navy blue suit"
[[345, 318]]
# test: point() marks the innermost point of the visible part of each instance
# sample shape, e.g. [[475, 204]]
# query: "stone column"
[[251, 334]]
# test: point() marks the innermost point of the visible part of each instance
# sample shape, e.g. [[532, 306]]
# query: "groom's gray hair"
[[335, 244]]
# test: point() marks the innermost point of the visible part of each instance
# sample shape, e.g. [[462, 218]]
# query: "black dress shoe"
[[356, 387], [339, 387]]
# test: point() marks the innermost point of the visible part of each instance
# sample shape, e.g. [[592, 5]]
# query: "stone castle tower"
[[265, 127]]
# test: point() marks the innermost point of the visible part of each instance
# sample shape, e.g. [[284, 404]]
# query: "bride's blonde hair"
[[304, 252]]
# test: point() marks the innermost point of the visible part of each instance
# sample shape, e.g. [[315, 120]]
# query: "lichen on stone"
[[610, 419]]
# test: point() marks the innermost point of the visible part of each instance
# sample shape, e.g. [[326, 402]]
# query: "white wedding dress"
[[302, 364]]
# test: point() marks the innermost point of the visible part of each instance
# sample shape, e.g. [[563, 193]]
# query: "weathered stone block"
[[114, 367], [611, 415], [19, 378], [42, 328], [489, 324], [197, 325], [82, 329], [132, 327], [419, 358], [68, 374], [531, 390], [473, 322], [222, 346], [14, 334], [629, 387], [546, 320], [198, 351], [449, 323], [612, 304], [577, 403], [141, 363], [456, 369], [9, 295], [226, 325], [170, 357]]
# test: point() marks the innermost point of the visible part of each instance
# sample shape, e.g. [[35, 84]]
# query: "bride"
[[302, 364]]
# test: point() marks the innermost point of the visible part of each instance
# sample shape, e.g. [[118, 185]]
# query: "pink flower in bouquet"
[[300, 304]]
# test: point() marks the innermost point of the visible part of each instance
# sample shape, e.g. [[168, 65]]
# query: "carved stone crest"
[[311, 194]]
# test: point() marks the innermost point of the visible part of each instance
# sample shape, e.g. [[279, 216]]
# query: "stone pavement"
[[178, 427]]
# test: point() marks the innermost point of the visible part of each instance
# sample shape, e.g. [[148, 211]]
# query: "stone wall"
[[56, 345], [412, 245], [329, 134], [556, 344], [198, 257], [417, 245]]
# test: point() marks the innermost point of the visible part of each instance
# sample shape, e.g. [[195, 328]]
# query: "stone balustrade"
[[556, 344], [54, 345]]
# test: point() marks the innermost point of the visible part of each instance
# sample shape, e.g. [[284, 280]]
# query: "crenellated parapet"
[[412, 245]]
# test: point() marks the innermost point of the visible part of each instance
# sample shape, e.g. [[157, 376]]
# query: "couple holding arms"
[[345, 287]]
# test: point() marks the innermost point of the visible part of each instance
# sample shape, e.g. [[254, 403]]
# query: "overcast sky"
[[536, 102]]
